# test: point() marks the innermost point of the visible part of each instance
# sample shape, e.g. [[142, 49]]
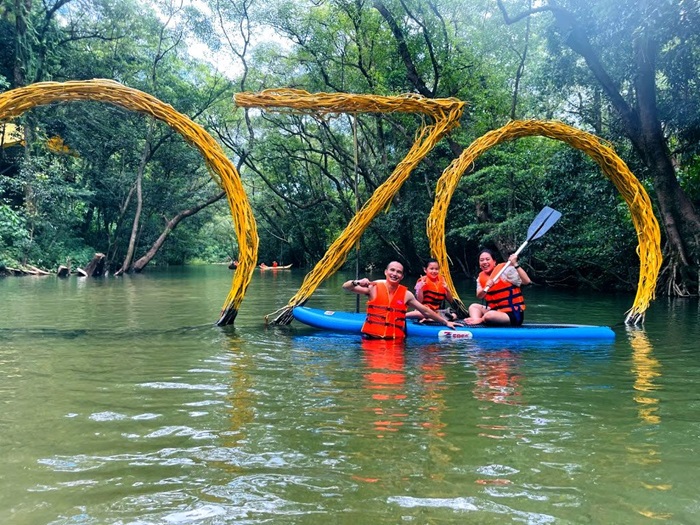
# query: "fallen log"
[[38, 271], [96, 267]]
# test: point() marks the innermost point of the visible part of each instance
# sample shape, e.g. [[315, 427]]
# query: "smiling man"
[[387, 304]]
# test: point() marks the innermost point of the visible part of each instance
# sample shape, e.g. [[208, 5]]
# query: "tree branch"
[[404, 52]]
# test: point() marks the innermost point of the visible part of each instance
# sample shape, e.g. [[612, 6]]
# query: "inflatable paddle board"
[[350, 322]]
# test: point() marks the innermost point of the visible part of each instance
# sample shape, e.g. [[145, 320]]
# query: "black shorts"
[[517, 316]]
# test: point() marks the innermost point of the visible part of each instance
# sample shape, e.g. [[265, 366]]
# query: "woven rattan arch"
[[445, 114], [15, 102], [613, 167]]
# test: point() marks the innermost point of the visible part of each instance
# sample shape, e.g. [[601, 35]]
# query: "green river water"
[[122, 403]]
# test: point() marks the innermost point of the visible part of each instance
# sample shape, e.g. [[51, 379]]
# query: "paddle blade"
[[543, 222]]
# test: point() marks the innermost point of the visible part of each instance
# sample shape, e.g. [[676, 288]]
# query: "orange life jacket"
[[434, 292], [503, 295], [386, 316]]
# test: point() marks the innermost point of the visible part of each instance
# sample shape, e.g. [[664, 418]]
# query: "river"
[[122, 403]]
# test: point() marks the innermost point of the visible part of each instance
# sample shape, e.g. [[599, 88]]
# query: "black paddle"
[[543, 222]]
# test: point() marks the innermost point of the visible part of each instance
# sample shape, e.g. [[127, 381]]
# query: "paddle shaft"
[[507, 264], [539, 226]]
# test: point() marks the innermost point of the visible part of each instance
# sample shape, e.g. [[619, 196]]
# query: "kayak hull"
[[287, 267], [350, 322]]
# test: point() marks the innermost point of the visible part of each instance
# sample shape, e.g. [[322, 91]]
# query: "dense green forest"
[[86, 177]]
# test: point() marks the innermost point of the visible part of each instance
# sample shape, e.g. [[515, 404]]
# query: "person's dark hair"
[[431, 260], [490, 252]]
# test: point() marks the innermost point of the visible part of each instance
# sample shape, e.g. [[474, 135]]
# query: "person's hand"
[[451, 325]]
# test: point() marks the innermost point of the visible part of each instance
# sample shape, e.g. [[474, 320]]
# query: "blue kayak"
[[350, 322]]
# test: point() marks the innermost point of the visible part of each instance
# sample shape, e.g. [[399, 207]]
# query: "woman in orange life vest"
[[504, 299], [432, 291], [388, 301]]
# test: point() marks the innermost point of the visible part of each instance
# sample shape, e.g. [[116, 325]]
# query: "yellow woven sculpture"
[[15, 102], [446, 114], [615, 169]]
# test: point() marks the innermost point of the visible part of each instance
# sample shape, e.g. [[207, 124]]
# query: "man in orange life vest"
[[388, 301], [504, 300]]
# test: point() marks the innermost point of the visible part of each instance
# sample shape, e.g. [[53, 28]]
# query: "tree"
[[644, 58], [119, 40]]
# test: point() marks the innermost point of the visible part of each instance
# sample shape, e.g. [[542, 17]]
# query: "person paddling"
[[387, 304], [504, 298]]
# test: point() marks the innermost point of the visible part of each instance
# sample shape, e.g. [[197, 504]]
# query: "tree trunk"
[[22, 47], [139, 206], [169, 227], [680, 220], [96, 267], [643, 127]]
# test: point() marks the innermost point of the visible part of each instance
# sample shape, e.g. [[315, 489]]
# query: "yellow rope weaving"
[[15, 102], [614, 168], [445, 112], [301, 101]]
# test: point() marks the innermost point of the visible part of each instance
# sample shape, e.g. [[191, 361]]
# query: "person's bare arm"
[[358, 286], [448, 293], [522, 274], [419, 291], [480, 293]]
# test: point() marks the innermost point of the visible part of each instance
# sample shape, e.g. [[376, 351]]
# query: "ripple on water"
[[257, 495], [464, 504], [169, 385], [108, 416]]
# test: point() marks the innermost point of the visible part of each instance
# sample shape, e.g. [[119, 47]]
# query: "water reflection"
[[240, 396], [158, 417], [646, 369], [386, 379], [433, 379], [498, 377]]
